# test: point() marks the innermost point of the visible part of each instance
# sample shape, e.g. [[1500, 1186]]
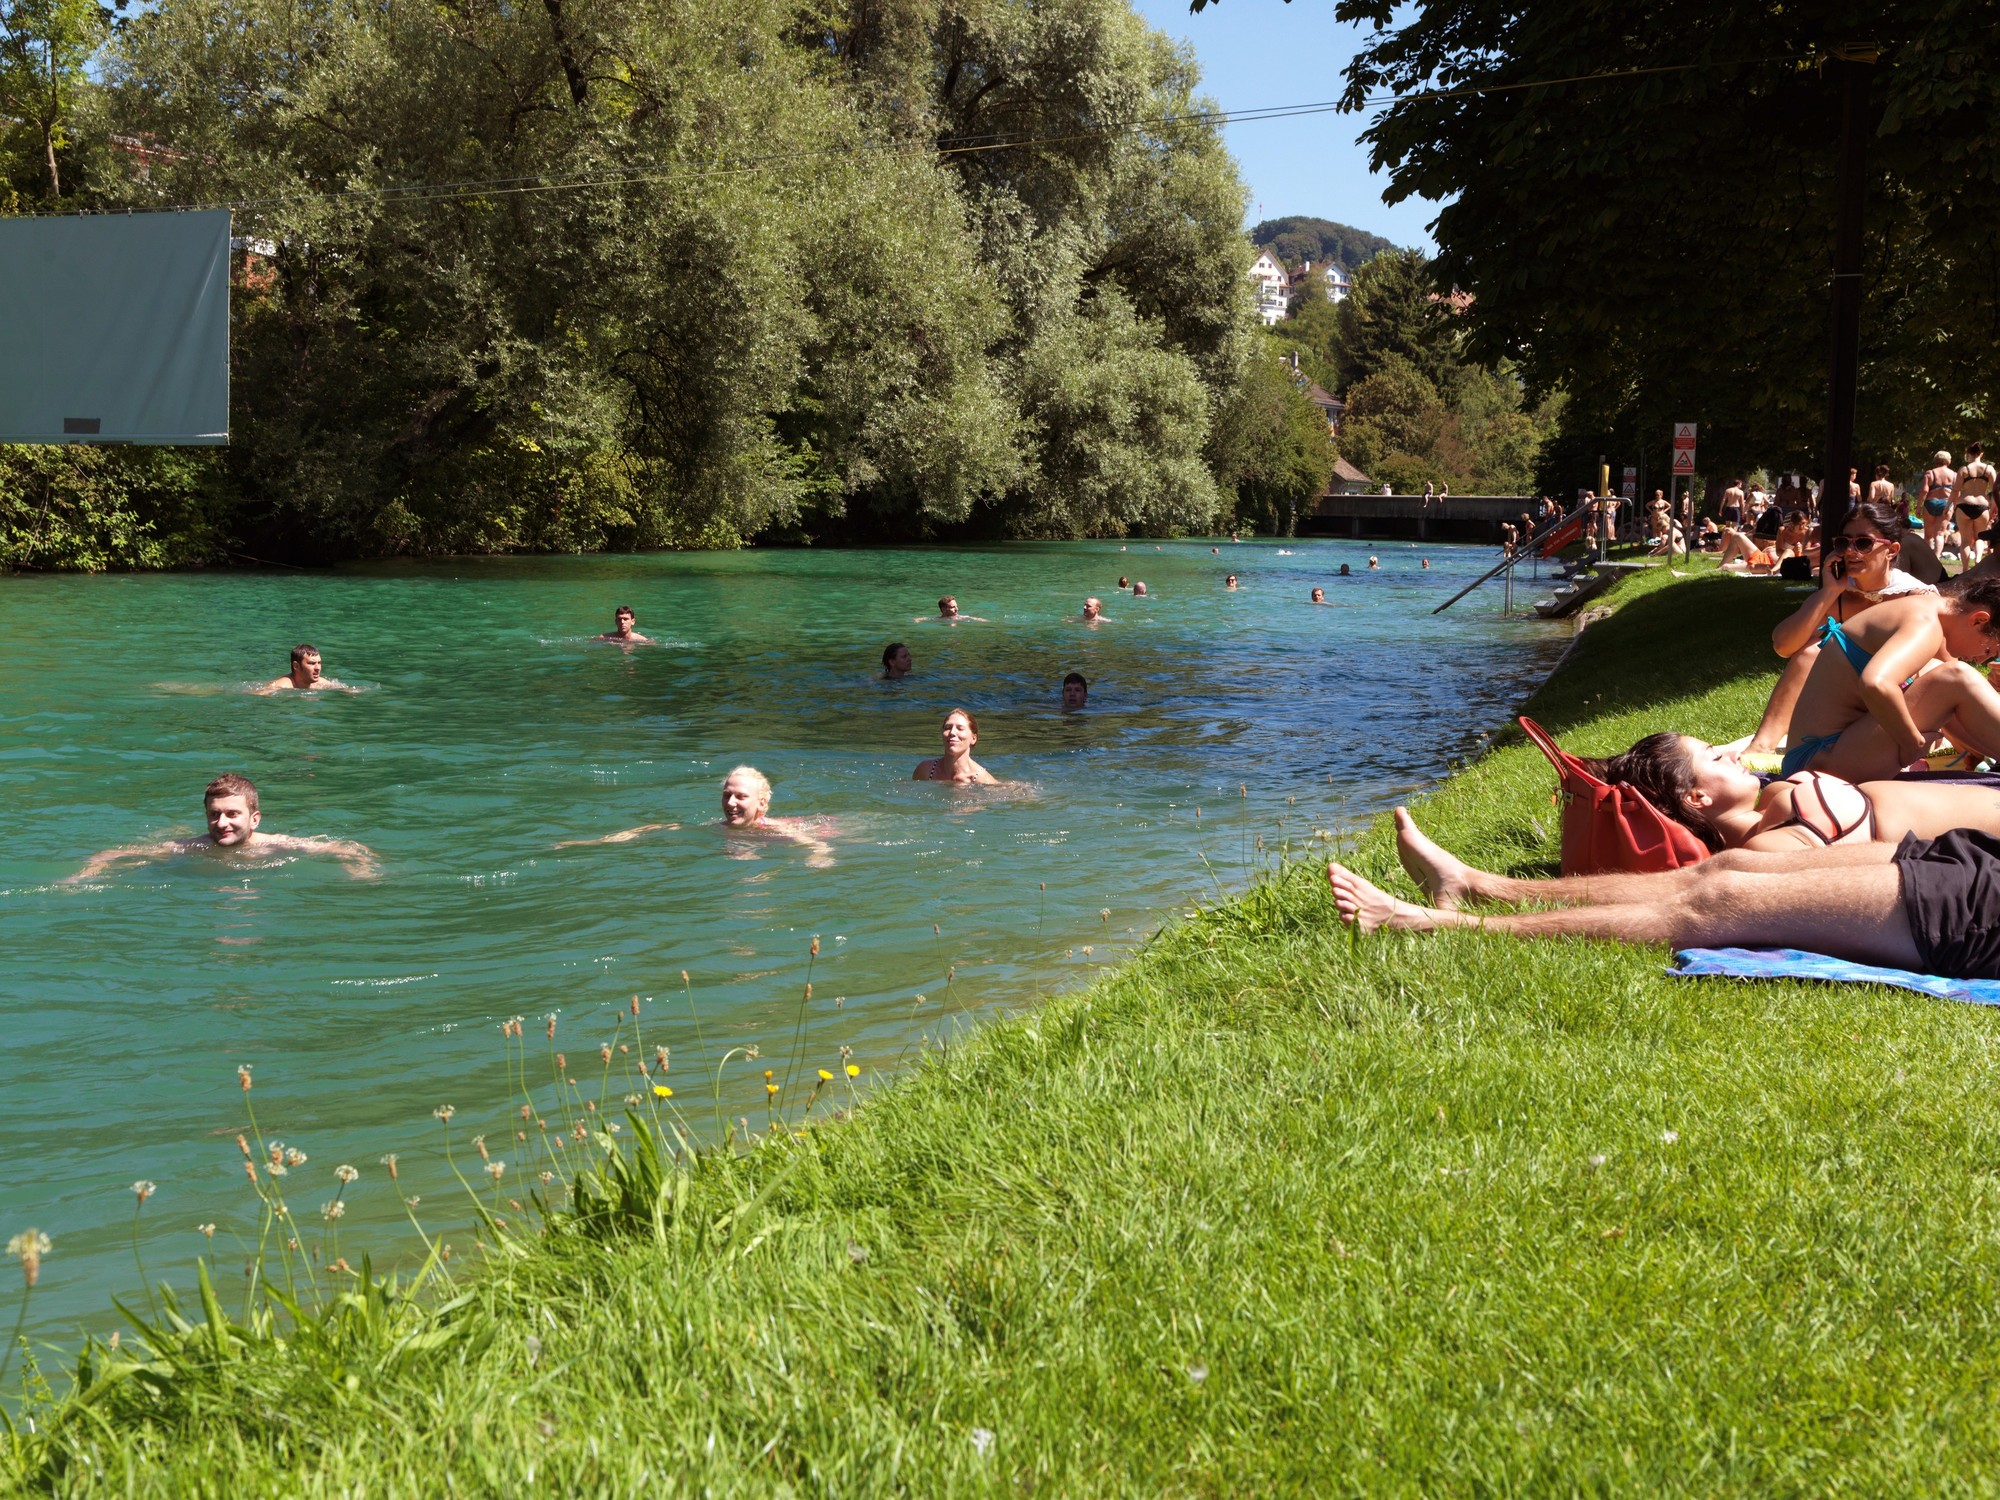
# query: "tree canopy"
[[640, 272], [1659, 246], [1299, 238]]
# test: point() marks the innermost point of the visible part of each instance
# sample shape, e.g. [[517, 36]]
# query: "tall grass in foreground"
[[1263, 1212]]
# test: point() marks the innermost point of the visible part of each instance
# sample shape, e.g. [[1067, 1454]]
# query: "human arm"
[[625, 837], [1917, 640], [137, 854], [359, 859], [1795, 632]]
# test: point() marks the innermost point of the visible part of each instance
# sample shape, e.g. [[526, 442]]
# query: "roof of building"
[[1319, 395], [1342, 469]]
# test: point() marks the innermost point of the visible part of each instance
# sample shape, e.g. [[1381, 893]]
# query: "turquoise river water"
[[490, 727]]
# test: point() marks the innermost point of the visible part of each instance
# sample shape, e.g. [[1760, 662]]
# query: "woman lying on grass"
[[1900, 673], [1930, 905], [1860, 573], [1707, 791]]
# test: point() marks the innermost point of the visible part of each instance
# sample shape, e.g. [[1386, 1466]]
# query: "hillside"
[[1299, 238]]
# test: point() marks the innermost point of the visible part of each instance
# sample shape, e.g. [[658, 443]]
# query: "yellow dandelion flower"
[[771, 1090], [853, 1071], [661, 1091], [824, 1076]]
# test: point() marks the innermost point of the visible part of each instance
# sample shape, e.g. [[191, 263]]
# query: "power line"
[[493, 187]]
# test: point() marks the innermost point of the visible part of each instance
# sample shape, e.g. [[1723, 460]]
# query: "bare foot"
[[1370, 908], [1445, 879]]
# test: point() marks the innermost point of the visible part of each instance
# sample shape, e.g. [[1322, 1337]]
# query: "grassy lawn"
[[1266, 1211]]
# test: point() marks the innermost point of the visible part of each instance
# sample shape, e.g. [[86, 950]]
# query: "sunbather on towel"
[[1707, 791], [1899, 674], [1928, 905]]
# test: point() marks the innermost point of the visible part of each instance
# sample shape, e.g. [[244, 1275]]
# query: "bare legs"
[[1847, 908], [1952, 693], [1777, 720]]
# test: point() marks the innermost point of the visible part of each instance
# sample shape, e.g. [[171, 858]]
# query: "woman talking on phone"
[[1859, 572]]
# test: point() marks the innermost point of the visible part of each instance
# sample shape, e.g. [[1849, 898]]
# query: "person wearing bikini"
[[1972, 504], [1934, 493]]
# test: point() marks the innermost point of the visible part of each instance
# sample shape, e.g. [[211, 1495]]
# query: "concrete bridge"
[[1462, 518]]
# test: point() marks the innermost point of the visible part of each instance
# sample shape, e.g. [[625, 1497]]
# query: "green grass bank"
[[1265, 1211]]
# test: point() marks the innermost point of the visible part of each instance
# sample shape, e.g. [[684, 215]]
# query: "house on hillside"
[[1330, 406], [1274, 286], [1338, 284]]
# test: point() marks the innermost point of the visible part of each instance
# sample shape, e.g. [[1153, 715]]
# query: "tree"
[[1396, 311], [1297, 239], [1271, 447], [45, 46], [1658, 245]]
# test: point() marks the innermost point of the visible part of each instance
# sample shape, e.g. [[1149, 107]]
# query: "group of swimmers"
[[1843, 851]]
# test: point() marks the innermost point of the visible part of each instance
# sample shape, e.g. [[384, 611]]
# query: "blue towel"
[[1793, 963]]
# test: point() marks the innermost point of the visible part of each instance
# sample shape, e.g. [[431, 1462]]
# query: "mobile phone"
[[1838, 567]]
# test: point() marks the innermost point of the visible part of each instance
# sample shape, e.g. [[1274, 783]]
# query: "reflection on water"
[[494, 728]]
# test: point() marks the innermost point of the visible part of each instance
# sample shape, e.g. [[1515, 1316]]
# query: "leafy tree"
[[1271, 446], [1312, 330], [45, 46], [1396, 311]]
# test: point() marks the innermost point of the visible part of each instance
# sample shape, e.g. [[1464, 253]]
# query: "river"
[[489, 727]]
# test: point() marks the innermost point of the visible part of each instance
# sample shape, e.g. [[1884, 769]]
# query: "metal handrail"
[[1525, 550]]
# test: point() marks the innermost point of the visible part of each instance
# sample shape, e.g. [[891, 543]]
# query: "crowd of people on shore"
[[1856, 821]]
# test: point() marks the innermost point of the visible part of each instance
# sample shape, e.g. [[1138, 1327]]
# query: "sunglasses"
[[1844, 542]]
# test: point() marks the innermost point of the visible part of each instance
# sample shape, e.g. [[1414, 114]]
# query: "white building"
[[1273, 286], [1337, 284]]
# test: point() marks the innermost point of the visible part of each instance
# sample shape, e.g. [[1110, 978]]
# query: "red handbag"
[[1612, 827]]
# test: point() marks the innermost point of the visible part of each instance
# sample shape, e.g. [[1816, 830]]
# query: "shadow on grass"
[[1716, 630]]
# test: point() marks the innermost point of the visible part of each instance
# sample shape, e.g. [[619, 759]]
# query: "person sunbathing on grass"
[[1900, 674], [1860, 573], [1928, 905], [1708, 791], [746, 804]]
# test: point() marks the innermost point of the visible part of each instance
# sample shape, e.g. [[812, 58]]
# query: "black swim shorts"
[[1951, 897]]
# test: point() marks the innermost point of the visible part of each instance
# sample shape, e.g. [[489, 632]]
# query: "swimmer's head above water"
[[746, 797], [895, 660], [1229, 582], [948, 608], [1075, 692], [230, 801], [1319, 596], [1124, 582], [1093, 607], [1137, 589]]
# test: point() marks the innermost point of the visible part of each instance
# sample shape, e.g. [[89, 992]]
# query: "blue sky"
[[1263, 52]]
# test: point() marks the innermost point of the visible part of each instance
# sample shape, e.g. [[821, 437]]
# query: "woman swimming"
[[960, 733], [1935, 492], [1860, 573], [895, 661]]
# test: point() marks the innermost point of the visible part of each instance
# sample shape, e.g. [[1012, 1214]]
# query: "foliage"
[[1659, 246], [689, 272], [1477, 435], [1396, 310], [1271, 446], [87, 509], [1311, 329], [1251, 1212], [1299, 238], [45, 47]]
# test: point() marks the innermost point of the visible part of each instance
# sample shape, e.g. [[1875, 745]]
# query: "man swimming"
[[1319, 596], [230, 802], [1093, 610], [305, 675], [1075, 692], [948, 613], [746, 806], [1230, 581], [624, 634]]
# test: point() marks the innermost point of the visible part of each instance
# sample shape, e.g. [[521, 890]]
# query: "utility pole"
[[1850, 66]]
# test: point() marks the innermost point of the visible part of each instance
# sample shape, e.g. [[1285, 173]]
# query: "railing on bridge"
[[1452, 518]]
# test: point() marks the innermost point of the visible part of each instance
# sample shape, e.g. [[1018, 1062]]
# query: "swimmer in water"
[[895, 661], [305, 675], [1093, 610], [746, 806], [1427, 562], [1075, 692], [948, 613], [1374, 563], [1138, 590], [1229, 582], [230, 802], [960, 733], [1345, 571], [1319, 596], [1124, 583], [622, 634]]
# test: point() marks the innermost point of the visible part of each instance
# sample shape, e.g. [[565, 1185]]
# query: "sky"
[[1257, 53]]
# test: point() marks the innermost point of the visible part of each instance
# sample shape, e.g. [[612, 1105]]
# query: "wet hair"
[[301, 651], [947, 599], [1660, 769], [963, 713], [889, 653], [1075, 677], [624, 609], [753, 774], [1124, 582], [229, 784]]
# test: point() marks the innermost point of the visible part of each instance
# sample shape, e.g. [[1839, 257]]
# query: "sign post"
[[1684, 464]]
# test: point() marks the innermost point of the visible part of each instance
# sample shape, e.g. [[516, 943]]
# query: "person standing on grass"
[[1934, 493], [1972, 504], [1882, 488], [230, 805]]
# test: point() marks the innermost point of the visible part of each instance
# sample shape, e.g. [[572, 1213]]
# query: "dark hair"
[[624, 609], [301, 651], [1974, 450], [1124, 582], [1075, 677], [890, 650], [1880, 517], [1795, 518], [229, 784], [1660, 769], [1881, 471], [947, 599], [1971, 591]]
